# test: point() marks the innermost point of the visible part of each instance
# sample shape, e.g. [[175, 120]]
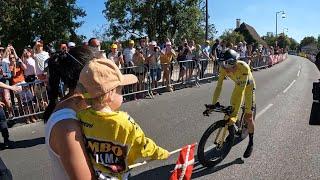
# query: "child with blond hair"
[[113, 139]]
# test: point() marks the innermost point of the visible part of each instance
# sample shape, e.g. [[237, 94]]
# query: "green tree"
[[283, 41], [270, 40], [308, 40], [232, 36], [22, 21], [158, 20], [293, 44], [318, 41]]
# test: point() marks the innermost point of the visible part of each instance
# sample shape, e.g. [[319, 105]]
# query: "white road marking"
[[284, 91], [298, 73], [263, 110]]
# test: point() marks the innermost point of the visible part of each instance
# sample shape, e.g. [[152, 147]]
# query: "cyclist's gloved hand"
[[217, 105], [205, 113], [231, 120], [162, 154]]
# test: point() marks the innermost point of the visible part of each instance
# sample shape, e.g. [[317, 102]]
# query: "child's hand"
[[163, 154]]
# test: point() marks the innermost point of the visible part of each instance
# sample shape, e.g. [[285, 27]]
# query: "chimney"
[[238, 23]]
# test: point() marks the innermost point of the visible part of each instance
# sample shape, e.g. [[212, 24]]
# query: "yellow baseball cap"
[[100, 76], [131, 42], [114, 46]]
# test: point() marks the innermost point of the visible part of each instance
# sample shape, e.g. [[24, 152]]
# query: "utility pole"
[[206, 20]]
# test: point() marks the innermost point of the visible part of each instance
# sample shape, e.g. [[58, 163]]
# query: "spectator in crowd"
[[95, 46], [249, 54], [40, 56], [167, 54], [5, 76], [30, 71], [153, 59], [190, 65], [64, 138], [197, 55], [183, 51], [192, 45], [63, 47], [140, 70], [1, 50], [3, 122], [317, 62], [116, 56], [119, 45], [71, 45], [17, 68], [27, 93], [206, 50], [242, 50], [217, 49], [111, 126], [128, 54], [144, 46]]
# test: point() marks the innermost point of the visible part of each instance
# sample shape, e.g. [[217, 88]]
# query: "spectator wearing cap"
[[40, 56], [166, 57], [116, 56], [128, 54], [153, 60], [71, 45], [119, 46]]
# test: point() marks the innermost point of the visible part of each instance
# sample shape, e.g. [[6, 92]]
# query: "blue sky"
[[302, 17]]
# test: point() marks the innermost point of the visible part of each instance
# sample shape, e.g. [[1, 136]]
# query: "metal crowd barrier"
[[33, 99]]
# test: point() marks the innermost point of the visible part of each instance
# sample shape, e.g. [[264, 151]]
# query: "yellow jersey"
[[114, 141], [243, 82]]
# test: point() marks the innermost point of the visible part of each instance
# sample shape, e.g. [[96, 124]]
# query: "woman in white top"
[[30, 72], [63, 133]]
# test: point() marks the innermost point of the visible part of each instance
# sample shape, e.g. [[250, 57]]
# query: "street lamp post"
[[283, 16], [284, 30]]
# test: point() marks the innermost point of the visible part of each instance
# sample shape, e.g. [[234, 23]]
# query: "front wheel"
[[215, 143]]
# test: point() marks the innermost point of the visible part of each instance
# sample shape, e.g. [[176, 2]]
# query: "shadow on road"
[[164, 172], [315, 114], [199, 170], [26, 143]]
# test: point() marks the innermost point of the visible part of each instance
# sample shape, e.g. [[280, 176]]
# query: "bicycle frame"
[[220, 138]]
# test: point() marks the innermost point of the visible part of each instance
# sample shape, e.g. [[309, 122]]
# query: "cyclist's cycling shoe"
[[248, 151]]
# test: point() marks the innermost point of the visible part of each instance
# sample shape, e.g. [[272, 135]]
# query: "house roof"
[[252, 32]]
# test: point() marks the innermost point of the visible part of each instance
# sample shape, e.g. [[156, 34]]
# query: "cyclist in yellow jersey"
[[240, 73], [113, 139]]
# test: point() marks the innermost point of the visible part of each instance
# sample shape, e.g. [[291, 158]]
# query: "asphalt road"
[[285, 145]]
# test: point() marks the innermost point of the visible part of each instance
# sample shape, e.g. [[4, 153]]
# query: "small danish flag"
[[184, 165]]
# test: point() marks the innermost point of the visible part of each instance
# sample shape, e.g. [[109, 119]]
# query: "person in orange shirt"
[[165, 58], [17, 70]]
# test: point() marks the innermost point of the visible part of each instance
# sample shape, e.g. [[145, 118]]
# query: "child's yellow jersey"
[[244, 88], [114, 141]]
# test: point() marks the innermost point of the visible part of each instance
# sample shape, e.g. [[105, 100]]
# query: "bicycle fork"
[[219, 140]]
